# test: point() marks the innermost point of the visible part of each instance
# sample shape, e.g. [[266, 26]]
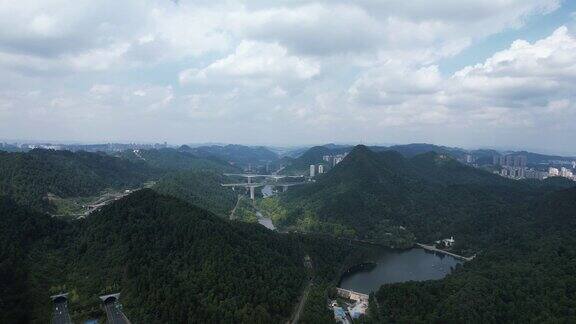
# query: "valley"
[[165, 222]]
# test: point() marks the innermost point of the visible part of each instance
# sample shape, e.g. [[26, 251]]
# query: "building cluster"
[[468, 159], [562, 172], [356, 305], [334, 159], [314, 167], [512, 166], [446, 243], [515, 167]]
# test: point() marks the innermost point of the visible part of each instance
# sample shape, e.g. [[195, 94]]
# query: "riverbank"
[[434, 249]]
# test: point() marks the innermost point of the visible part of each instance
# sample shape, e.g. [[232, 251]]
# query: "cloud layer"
[[287, 72]]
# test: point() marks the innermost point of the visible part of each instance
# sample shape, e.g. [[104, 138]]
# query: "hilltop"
[[389, 198], [167, 258], [29, 177]]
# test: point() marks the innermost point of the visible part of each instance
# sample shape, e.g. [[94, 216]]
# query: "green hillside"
[[314, 155], [29, 177], [390, 199], [239, 155], [171, 261], [169, 159], [525, 274], [200, 188]]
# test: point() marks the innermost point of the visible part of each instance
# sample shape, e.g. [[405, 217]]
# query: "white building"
[[565, 172], [536, 174], [447, 242], [312, 170], [553, 172], [320, 169]]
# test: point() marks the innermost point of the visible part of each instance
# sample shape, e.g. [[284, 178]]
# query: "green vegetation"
[[168, 159], [172, 262], [392, 200], [29, 177], [330, 258], [238, 155], [175, 262], [525, 274], [200, 188], [245, 211], [272, 208], [314, 155]]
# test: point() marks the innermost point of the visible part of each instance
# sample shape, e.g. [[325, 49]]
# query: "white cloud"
[[254, 63], [332, 68], [528, 86]]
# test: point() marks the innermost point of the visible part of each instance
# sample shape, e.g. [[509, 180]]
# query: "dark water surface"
[[400, 266]]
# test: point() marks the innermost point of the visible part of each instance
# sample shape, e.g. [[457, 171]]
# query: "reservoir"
[[400, 266]]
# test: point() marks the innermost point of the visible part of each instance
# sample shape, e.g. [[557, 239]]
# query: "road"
[[61, 315], [232, 216], [310, 269], [114, 315], [302, 303]]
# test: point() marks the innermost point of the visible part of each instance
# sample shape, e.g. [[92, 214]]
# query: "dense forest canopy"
[[314, 155], [169, 159], [388, 198], [174, 259], [238, 155], [200, 188], [171, 261], [29, 177], [524, 274]]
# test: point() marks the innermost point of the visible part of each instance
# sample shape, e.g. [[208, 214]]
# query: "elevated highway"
[[269, 180]]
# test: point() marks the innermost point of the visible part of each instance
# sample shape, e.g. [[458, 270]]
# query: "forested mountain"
[[29, 177], [394, 200], [410, 150], [314, 155], [200, 188], [168, 159], [525, 274], [172, 262], [481, 156], [238, 155]]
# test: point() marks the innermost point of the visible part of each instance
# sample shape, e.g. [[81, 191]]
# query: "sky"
[[475, 73]]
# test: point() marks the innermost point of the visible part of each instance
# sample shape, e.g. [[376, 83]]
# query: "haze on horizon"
[[472, 73]]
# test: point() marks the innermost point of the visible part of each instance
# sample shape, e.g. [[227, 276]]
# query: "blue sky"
[[535, 28], [473, 73]]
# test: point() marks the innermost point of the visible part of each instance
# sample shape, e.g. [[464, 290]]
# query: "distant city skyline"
[[470, 74], [280, 146]]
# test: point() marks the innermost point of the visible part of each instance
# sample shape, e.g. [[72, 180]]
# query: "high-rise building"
[[520, 161], [320, 169], [496, 160], [312, 170], [573, 164]]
